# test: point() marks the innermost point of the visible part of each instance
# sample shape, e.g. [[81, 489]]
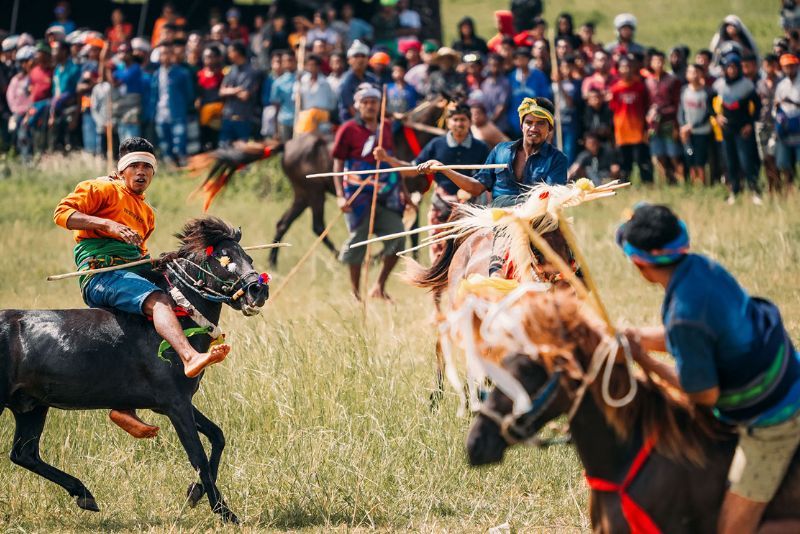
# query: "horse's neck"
[[209, 310], [602, 453]]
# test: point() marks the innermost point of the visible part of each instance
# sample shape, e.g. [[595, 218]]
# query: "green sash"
[[97, 253]]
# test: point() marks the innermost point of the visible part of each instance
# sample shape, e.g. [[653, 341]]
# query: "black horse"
[[96, 359], [681, 483]]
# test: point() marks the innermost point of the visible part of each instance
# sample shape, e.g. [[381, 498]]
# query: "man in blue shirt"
[[282, 96], [528, 161], [525, 82], [358, 58], [456, 147], [172, 97], [732, 353]]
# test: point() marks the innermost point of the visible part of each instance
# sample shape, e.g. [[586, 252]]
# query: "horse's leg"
[[438, 393], [182, 418], [25, 453], [298, 205], [318, 221], [217, 439]]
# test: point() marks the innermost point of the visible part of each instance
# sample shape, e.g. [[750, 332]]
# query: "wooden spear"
[[75, 274], [373, 208], [435, 168], [316, 243], [298, 97]]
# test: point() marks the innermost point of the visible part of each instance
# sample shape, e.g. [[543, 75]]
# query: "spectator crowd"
[[721, 113]]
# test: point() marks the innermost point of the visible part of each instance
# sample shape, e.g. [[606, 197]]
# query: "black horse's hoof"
[[87, 503], [226, 514], [195, 493], [230, 517]]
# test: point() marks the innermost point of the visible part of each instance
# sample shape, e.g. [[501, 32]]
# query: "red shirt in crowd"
[[41, 83], [596, 82], [119, 34], [629, 105], [664, 94]]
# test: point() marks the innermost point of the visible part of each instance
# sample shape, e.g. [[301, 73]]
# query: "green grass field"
[[327, 421], [662, 23]]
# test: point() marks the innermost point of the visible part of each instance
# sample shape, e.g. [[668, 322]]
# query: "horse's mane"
[[560, 322], [199, 233]]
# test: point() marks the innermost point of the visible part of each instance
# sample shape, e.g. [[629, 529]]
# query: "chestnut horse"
[[653, 461]]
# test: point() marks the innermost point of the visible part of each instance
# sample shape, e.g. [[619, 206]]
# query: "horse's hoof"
[[195, 493], [435, 399], [230, 517], [226, 514], [87, 503]]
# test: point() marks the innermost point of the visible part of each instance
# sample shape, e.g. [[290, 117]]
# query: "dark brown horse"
[[680, 485], [310, 153]]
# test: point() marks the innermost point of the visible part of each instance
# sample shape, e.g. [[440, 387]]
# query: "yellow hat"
[[530, 107]]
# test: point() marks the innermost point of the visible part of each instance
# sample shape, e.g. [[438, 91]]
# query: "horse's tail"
[[433, 278]]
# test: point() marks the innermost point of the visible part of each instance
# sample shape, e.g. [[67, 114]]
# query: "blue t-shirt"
[[445, 149], [721, 337], [535, 84], [549, 166]]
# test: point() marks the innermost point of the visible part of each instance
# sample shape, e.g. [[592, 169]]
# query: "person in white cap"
[[111, 222], [358, 59], [625, 26]]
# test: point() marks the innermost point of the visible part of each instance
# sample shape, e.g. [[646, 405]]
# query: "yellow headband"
[[530, 107]]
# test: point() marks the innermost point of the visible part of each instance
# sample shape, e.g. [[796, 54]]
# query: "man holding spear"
[[355, 149], [527, 161], [111, 223]]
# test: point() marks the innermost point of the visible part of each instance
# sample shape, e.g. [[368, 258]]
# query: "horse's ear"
[[237, 234]]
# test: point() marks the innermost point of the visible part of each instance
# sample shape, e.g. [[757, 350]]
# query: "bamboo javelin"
[[572, 241], [557, 96], [314, 245], [298, 96], [435, 168], [374, 196], [75, 274]]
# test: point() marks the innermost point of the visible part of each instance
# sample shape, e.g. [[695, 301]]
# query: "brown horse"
[[680, 484], [310, 153]]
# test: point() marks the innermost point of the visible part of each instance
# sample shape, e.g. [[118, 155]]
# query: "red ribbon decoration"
[[209, 251], [639, 521]]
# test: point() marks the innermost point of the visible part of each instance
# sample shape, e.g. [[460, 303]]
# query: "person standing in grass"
[[111, 222], [733, 356], [354, 149], [787, 117], [736, 106], [628, 104], [765, 125], [694, 120]]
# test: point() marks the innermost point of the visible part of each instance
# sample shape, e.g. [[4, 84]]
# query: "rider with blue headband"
[[732, 354]]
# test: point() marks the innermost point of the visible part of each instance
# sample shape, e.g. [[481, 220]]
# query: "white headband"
[[137, 157], [367, 92]]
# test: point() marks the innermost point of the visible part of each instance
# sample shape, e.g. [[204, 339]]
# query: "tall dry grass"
[[327, 420]]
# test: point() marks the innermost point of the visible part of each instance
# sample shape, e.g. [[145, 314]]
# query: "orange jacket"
[[108, 198]]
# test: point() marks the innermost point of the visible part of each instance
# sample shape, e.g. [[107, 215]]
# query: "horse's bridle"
[[522, 428], [232, 290]]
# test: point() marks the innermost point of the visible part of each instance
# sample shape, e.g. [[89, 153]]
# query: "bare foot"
[[216, 354], [128, 421], [378, 292]]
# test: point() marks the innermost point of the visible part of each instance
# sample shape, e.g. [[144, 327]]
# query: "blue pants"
[[787, 156], [234, 131], [741, 154], [569, 138], [122, 290], [172, 139], [91, 142]]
